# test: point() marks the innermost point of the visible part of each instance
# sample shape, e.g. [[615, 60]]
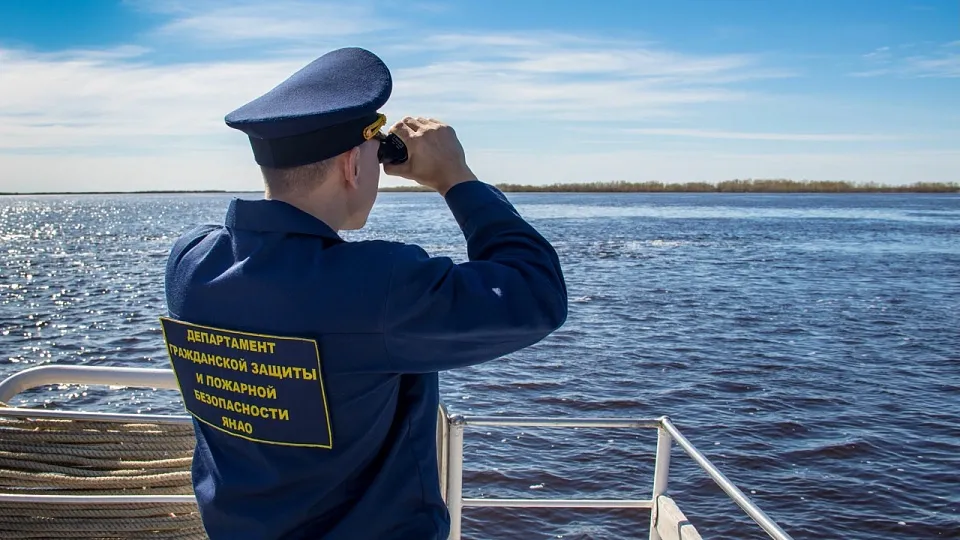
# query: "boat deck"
[[74, 474]]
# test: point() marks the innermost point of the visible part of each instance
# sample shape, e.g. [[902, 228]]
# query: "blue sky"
[[101, 95]]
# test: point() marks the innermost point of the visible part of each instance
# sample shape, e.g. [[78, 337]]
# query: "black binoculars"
[[392, 151]]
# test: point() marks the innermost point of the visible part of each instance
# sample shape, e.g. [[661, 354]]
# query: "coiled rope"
[[78, 457]]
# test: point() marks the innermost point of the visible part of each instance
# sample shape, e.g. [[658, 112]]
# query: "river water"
[[808, 344]]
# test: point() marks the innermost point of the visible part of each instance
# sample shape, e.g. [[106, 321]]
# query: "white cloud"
[[947, 66], [565, 54], [562, 77], [756, 136], [118, 98], [939, 62], [96, 99], [480, 92], [878, 53], [873, 72]]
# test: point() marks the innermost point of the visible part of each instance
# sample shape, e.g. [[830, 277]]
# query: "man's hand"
[[436, 159]]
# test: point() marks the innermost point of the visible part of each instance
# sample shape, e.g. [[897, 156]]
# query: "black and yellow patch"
[[266, 389]]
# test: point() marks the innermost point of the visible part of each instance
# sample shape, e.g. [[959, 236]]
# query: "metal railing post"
[[455, 475], [443, 448], [661, 475]]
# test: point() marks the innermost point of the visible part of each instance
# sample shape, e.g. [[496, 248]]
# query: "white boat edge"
[[667, 521]]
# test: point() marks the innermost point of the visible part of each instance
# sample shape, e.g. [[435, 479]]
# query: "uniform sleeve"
[[509, 295]]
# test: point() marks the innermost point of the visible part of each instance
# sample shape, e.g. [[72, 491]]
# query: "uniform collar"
[[275, 216]]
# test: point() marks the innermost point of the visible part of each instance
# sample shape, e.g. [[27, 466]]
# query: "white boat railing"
[[450, 435]]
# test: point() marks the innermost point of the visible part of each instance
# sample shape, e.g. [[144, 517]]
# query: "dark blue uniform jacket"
[[386, 318]]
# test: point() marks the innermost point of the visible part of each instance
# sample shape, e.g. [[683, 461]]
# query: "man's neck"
[[324, 206]]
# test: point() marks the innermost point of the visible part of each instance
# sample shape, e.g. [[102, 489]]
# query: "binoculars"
[[392, 151]]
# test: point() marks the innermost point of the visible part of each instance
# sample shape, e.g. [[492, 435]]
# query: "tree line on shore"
[[727, 186]]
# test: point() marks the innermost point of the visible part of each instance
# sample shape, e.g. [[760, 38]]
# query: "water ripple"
[[807, 344]]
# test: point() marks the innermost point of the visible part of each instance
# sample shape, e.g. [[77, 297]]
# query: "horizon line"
[[748, 185]]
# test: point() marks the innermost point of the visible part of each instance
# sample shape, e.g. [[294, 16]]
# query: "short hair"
[[296, 179]]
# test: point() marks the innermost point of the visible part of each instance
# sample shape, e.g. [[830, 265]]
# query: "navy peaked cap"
[[323, 110]]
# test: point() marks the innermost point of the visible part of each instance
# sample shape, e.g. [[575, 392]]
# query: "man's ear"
[[351, 167]]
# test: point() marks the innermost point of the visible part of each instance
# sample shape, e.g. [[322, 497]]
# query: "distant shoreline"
[[729, 186]]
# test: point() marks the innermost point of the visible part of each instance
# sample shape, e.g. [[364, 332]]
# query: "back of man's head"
[[315, 135], [295, 181]]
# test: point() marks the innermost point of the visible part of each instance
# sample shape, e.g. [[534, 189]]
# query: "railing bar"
[[96, 499], [726, 485], [495, 421], [557, 503], [91, 375], [95, 416]]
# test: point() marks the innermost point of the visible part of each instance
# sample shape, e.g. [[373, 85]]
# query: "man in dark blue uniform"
[[310, 363]]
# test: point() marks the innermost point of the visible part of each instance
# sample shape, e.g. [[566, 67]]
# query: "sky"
[[101, 95]]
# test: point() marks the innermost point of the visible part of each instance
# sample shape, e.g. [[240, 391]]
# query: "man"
[[310, 363]]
